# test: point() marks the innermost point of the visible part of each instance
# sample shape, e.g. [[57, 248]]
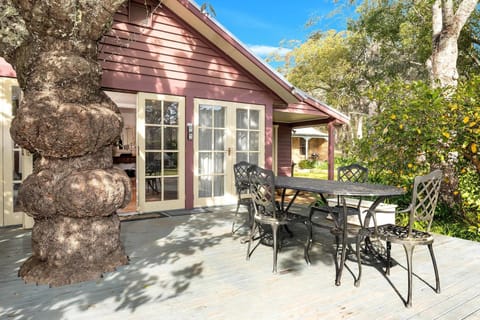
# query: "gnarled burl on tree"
[[66, 120]]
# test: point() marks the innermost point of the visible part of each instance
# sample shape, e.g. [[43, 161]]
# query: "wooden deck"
[[191, 267]]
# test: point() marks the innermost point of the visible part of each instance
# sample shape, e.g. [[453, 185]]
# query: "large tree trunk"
[[64, 118], [447, 25]]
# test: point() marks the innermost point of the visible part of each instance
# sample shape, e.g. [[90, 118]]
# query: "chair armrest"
[[407, 209]]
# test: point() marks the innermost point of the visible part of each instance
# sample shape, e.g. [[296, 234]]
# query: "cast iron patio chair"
[[425, 194], [268, 216], [345, 207], [350, 173], [242, 189]]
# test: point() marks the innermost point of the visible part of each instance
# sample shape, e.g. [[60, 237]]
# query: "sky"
[[262, 25]]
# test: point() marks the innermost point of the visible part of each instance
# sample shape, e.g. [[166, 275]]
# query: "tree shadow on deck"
[[156, 271], [167, 258]]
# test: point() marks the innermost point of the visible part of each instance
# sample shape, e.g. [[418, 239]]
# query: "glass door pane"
[[225, 133], [161, 150], [248, 136], [211, 150], [161, 153]]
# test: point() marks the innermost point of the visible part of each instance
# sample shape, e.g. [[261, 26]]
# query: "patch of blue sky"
[[266, 26]]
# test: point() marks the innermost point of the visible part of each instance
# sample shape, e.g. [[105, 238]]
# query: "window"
[[303, 146], [140, 14]]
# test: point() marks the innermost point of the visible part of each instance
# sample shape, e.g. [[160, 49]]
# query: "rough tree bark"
[[64, 118]]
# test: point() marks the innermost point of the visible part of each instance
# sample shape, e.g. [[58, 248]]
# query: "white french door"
[[161, 152], [225, 133], [16, 163]]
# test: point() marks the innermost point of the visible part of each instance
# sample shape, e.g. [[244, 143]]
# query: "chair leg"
[[308, 244], [234, 219], [409, 253], [250, 238], [342, 258], [287, 229], [435, 268], [389, 261], [250, 215], [310, 220], [359, 259], [275, 246]]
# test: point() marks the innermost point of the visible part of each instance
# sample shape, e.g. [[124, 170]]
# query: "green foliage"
[[402, 139], [417, 127], [312, 164], [461, 123], [398, 35], [379, 67], [401, 31], [344, 161], [305, 164], [307, 67], [449, 223], [13, 31], [315, 173], [469, 186], [445, 222]]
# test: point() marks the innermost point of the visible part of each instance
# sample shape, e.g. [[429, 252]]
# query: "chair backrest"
[[262, 190], [240, 171], [352, 173], [426, 190]]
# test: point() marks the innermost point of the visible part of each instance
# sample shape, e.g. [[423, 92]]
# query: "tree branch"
[[464, 11], [447, 13], [474, 57], [436, 20]]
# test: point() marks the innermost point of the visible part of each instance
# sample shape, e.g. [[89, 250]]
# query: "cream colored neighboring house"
[[307, 142]]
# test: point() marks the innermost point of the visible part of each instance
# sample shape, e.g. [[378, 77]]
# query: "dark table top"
[[338, 188]]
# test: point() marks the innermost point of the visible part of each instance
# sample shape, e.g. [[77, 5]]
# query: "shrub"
[[416, 128], [305, 164]]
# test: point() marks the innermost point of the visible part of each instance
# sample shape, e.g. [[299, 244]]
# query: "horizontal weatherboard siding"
[[170, 57]]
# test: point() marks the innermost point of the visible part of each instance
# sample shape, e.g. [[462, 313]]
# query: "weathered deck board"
[[191, 267]]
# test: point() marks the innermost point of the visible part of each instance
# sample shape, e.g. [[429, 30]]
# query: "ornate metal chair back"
[[426, 190], [240, 171], [352, 173], [262, 190]]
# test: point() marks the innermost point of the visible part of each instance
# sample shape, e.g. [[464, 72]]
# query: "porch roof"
[[309, 132]]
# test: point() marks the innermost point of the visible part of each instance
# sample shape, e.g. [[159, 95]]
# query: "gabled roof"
[[213, 31], [298, 107]]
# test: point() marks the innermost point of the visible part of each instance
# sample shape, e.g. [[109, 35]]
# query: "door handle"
[[229, 151]]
